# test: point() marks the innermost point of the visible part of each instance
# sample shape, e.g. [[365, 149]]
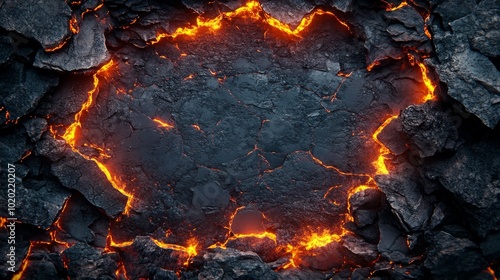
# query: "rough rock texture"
[[233, 264], [448, 252], [430, 129], [85, 262], [22, 87], [45, 21], [407, 200], [87, 49], [465, 52], [41, 200], [471, 175]]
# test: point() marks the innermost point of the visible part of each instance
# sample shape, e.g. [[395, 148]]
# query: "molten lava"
[[379, 164], [251, 10], [163, 124]]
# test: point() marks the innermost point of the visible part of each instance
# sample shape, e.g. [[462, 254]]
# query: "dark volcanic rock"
[[453, 258], [13, 145], [44, 265], [392, 244], [233, 264], [41, 201], [465, 66], [472, 176], [144, 256], [82, 175], [35, 127], [407, 25], [86, 263], [22, 87], [358, 251], [407, 201], [430, 129], [80, 221], [86, 50], [6, 48], [44, 21]]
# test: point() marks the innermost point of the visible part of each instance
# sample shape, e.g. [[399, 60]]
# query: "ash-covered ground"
[[250, 140]]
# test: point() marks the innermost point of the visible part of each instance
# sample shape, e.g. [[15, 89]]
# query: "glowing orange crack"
[[191, 249], [163, 124], [311, 241], [429, 83], [70, 136], [252, 10], [379, 164]]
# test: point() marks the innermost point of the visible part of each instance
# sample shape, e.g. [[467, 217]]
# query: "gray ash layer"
[[247, 130]]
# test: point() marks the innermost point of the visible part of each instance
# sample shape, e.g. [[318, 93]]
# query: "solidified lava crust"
[[239, 139]]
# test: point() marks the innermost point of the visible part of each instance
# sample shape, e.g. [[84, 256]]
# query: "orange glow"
[[195, 126], [233, 236], [391, 7], [3, 222], [112, 243], [311, 241], [317, 240], [491, 272], [102, 152], [116, 185], [73, 25], [190, 77], [58, 47], [70, 136], [372, 65], [354, 191], [163, 123], [121, 272], [190, 249], [318, 161], [427, 31], [70, 133], [379, 164], [431, 87], [251, 10]]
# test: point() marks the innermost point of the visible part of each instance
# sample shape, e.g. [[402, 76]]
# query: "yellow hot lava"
[[251, 10], [379, 164], [162, 123]]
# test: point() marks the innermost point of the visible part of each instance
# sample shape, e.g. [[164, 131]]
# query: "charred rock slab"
[[465, 54], [452, 257], [407, 201], [233, 264], [430, 129], [22, 87], [85, 262], [471, 175], [86, 50], [45, 21], [77, 173]]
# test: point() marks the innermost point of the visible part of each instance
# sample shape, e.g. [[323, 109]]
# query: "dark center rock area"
[[214, 156]]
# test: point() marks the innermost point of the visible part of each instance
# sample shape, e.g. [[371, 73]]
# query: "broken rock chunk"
[[86, 50], [453, 258], [430, 129], [470, 73], [45, 21]]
